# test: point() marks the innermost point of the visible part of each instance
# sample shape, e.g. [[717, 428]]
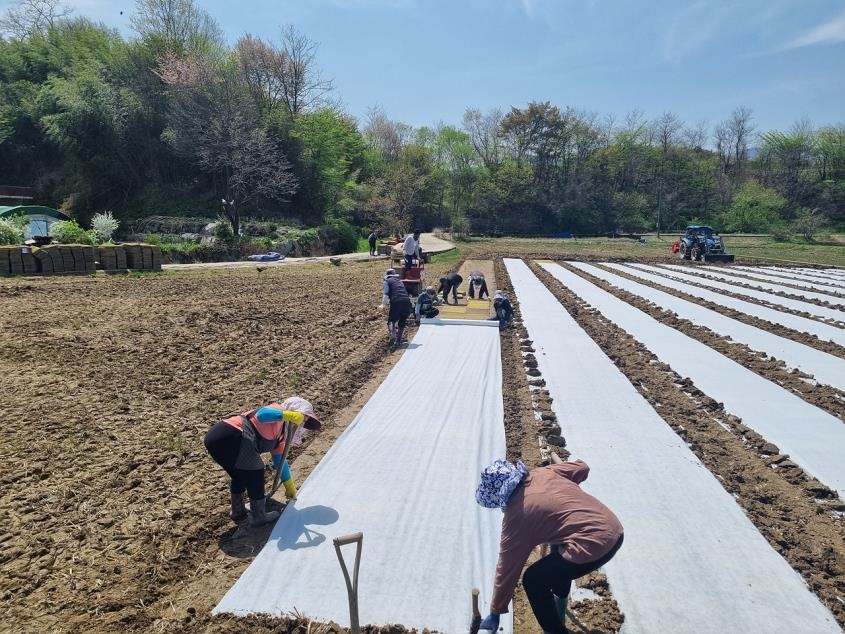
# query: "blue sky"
[[427, 61]]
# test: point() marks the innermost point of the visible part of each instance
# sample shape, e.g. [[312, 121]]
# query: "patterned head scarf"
[[498, 481]]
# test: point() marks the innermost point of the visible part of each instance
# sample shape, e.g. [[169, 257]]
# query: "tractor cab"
[[701, 242]]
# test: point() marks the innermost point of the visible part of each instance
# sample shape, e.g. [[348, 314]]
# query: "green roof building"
[[40, 218]]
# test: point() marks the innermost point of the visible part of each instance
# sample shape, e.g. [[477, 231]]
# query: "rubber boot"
[[238, 510], [257, 515], [399, 336]]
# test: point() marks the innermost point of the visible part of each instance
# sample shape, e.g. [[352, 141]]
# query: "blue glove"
[[490, 622], [285, 470]]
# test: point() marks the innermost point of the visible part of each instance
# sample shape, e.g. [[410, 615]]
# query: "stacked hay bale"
[[78, 259]]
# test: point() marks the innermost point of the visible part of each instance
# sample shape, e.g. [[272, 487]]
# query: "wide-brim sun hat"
[[299, 404]]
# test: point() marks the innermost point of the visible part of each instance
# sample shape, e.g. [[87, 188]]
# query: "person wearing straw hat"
[[237, 441], [545, 506]]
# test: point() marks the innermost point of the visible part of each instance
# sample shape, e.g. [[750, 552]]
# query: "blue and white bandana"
[[498, 481]]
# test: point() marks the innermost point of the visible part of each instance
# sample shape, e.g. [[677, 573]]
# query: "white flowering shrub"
[[11, 232], [103, 226]]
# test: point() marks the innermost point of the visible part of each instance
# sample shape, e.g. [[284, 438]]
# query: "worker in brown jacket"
[[545, 506]]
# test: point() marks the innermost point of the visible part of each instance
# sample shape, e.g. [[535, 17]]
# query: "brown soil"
[[113, 517]]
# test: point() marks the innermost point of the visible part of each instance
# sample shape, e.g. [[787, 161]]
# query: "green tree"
[[754, 209], [328, 154]]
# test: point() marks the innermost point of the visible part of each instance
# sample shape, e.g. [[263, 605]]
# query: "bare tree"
[[33, 16], [696, 136], [262, 67], [485, 134], [302, 87], [732, 136], [385, 136], [665, 131], [214, 123], [181, 24]]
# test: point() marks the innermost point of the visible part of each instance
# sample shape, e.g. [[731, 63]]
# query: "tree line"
[[173, 121]]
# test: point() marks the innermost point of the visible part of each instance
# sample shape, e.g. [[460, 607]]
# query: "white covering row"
[[692, 562], [404, 472]]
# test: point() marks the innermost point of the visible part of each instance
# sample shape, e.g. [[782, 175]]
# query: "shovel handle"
[[476, 613], [277, 479]]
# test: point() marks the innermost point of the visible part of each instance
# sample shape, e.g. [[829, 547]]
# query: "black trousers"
[[481, 292], [552, 576], [223, 443]]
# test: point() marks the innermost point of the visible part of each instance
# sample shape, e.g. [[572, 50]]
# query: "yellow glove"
[[290, 489]]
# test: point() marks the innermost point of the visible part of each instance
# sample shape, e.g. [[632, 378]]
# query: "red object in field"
[[414, 277], [676, 246]]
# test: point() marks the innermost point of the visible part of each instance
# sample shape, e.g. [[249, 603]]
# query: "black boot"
[[257, 514], [238, 510]]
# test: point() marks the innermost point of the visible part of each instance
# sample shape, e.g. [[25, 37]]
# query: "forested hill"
[[172, 120]]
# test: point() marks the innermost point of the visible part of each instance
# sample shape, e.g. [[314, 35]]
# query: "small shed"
[[40, 218]]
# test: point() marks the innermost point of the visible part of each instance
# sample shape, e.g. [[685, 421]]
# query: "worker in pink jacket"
[[545, 506], [237, 441]]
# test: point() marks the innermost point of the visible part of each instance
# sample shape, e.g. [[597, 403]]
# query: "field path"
[[679, 570]]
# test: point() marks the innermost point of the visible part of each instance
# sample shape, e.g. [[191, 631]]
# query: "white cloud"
[[829, 32]]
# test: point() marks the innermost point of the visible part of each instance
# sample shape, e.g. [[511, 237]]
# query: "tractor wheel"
[[684, 252], [696, 254]]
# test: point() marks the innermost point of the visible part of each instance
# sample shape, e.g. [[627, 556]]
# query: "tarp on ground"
[[825, 367], [813, 438], [692, 562], [404, 473]]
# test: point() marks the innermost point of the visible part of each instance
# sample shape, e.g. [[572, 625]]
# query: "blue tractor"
[[701, 243]]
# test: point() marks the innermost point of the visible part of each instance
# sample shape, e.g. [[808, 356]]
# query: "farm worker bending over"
[[426, 304], [411, 249], [396, 298], [450, 282], [503, 308], [545, 506], [237, 442], [476, 280]]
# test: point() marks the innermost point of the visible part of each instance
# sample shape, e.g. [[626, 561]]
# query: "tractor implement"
[[718, 257]]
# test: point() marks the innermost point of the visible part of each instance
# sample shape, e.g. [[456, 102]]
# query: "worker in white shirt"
[[411, 249]]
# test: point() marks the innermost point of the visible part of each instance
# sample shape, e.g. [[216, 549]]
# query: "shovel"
[[351, 584]]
